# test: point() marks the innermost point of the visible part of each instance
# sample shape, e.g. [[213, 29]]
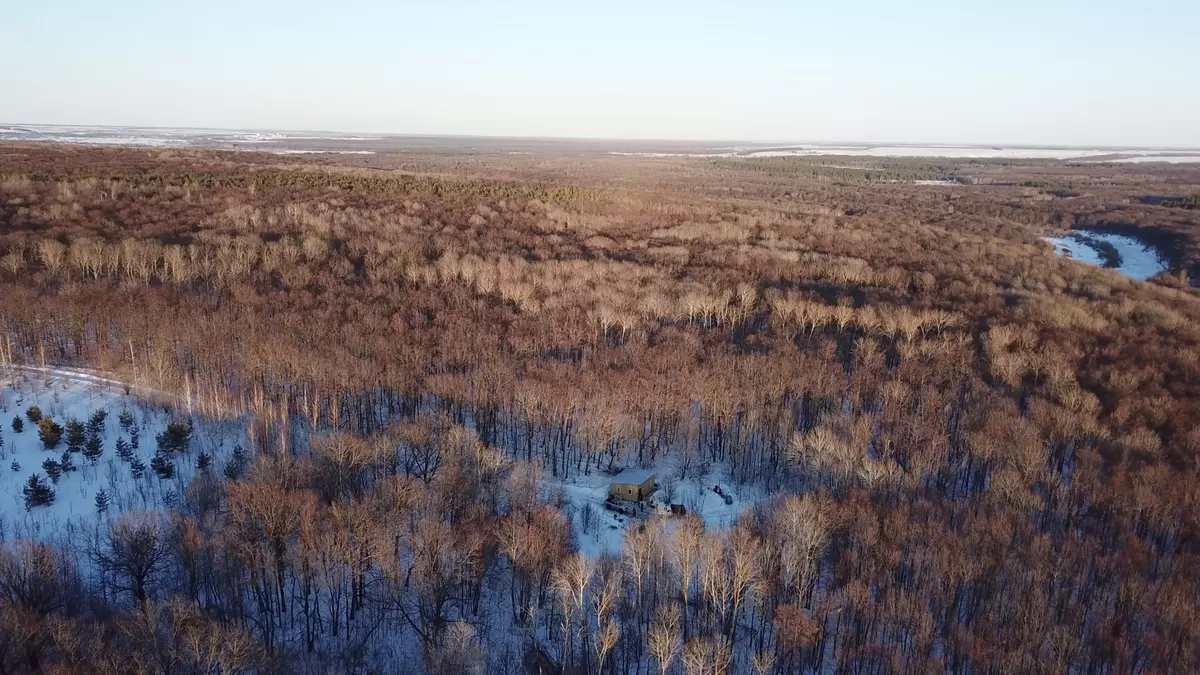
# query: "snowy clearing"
[[603, 530], [1138, 261], [67, 395]]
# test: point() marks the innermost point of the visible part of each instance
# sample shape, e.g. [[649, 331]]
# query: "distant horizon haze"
[[711, 143], [1063, 73]]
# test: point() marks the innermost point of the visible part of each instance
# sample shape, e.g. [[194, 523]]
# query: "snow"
[[935, 151], [1138, 261], [161, 137], [67, 394], [323, 152], [633, 476], [606, 534], [1170, 159], [943, 151]]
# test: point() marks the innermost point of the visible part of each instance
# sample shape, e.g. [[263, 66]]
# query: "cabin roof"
[[633, 476]]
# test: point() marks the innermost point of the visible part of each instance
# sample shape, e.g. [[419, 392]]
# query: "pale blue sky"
[[1013, 71]]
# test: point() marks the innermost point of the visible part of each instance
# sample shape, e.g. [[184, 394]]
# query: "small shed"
[[632, 485]]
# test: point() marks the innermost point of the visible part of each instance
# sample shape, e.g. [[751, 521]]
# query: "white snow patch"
[[1169, 159], [605, 535], [1138, 261], [162, 137], [323, 152], [71, 394]]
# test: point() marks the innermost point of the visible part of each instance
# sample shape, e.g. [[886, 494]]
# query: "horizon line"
[[395, 134]]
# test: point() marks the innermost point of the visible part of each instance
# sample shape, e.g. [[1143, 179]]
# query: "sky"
[[1002, 71]]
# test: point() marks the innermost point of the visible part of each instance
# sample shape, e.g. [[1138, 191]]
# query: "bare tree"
[[134, 549]]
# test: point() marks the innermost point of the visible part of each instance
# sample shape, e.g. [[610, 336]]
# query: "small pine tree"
[[50, 432], [18, 424], [125, 419], [102, 501], [66, 463], [175, 437], [137, 468], [34, 414], [93, 448], [124, 452], [15, 466], [203, 461], [134, 441], [52, 469], [163, 466], [76, 436], [37, 493], [95, 423], [237, 464]]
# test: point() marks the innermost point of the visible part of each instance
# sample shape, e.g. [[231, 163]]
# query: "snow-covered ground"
[[65, 395], [324, 152], [1138, 261], [1169, 159], [606, 531], [161, 137], [265, 139], [942, 151]]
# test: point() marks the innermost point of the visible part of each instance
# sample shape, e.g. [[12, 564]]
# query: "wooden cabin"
[[632, 485]]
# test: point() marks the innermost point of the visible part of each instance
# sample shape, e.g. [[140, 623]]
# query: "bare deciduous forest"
[[979, 455]]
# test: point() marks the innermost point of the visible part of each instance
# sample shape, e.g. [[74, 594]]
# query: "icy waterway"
[[1137, 260]]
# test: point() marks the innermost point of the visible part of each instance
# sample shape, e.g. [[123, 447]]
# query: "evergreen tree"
[[34, 414], [124, 452], [137, 468], [125, 419], [66, 462], [163, 466], [175, 437], [203, 461], [102, 501], [52, 469], [95, 423], [18, 424], [134, 441], [237, 464], [93, 448], [76, 436], [37, 493], [50, 432], [15, 466]]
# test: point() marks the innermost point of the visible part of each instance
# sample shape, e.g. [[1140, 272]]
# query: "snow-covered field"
[[324, 152], [162, 137], [1138, 261], [1169, 159], [69, 395], [941, 151]]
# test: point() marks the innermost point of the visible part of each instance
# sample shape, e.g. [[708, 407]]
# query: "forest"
[[974, 455]]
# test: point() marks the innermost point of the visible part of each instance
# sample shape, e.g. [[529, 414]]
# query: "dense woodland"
[[982, 457]]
